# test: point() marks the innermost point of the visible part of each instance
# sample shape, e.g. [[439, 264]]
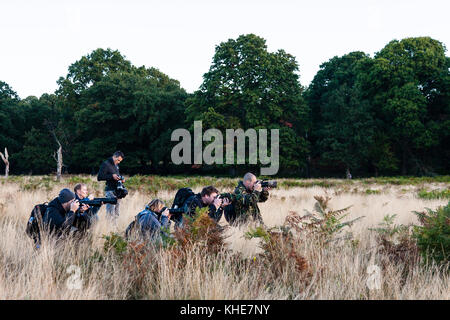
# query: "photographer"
[[85, 215], [207, 198], [152, 223], [109, 172], [60, 214], [187, 204], [245, 201]]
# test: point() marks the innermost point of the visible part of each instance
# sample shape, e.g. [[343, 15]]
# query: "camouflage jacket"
[[246, 203]]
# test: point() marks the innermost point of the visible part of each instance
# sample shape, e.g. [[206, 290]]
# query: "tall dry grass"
[[338, 271]]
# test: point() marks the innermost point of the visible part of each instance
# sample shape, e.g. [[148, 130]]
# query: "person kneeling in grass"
[[152, 223]]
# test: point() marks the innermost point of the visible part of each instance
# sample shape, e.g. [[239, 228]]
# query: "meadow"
[[351, 261]]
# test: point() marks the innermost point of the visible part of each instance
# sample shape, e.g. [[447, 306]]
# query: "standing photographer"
[[109, 172]]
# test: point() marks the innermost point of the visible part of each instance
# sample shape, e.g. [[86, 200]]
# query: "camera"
[[268, 183], [121, 191]]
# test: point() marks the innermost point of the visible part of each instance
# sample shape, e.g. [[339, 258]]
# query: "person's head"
[[155, 205], [208, 194], [81, 190], [249, 180], [118, 157], [66, 197]]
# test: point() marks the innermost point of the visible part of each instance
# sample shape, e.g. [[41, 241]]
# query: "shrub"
[[201, 230], [434, 194], [396, 244], [323, 221], [433, 236]]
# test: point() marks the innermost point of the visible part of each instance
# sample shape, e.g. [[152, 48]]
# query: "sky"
[[41, 39]]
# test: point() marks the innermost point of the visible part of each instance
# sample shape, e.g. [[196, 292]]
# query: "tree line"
[[361, 115]]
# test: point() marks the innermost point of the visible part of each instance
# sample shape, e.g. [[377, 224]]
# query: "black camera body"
[[121, 191], [176, 213]]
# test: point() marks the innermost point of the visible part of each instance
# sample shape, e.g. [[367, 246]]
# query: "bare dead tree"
[[5, 158], [59, 160], [58, 155]]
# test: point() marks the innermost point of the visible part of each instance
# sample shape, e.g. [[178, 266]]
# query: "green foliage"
[[257, 232], [434, 194], [115, 243], [405, 84], [396, 245], [368, 116], [249, 87], [388, 229], [326, 222], [343, 124], [200, 230], [433, 235]]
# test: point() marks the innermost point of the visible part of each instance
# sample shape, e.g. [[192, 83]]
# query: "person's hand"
[[166, 212], [217, 202], [91, 197], [266, 189], [84, 207], [226, 202], [115, 177], [257, 186], [74, 206]]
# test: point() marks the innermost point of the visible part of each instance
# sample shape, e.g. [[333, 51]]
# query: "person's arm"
[[56, 221], [165, 221], [264, 195], [104, 173], [215, 213]]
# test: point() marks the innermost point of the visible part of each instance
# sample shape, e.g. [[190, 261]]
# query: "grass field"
[[243, 269]]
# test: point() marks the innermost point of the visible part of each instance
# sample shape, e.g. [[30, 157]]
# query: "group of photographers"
[[75, 212]]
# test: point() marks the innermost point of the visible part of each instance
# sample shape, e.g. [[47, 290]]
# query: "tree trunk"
[[348, 174], [5, 158], [58, 158], [59, 161]]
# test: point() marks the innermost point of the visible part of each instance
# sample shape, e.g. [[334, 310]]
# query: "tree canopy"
[[387, 114]]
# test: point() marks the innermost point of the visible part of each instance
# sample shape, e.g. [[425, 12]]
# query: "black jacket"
[[57, 219], [105, 173]]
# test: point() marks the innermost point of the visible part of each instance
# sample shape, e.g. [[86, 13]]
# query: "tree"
[[249, 87], [342, 124], [5, 158], [11, 121], [407, 85], [115, 105]]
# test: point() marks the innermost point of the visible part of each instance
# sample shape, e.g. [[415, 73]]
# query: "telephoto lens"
[[269, 184]]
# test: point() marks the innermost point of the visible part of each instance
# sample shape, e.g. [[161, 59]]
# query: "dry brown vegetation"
[[284, 263]]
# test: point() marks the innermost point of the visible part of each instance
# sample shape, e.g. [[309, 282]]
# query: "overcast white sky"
[[40, 39]]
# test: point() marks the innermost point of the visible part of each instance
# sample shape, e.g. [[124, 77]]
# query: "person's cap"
[[66, 195]]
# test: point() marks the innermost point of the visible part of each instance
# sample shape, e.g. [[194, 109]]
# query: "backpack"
[[35, 221], [130, 229], [181, 197], [133, 227]]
